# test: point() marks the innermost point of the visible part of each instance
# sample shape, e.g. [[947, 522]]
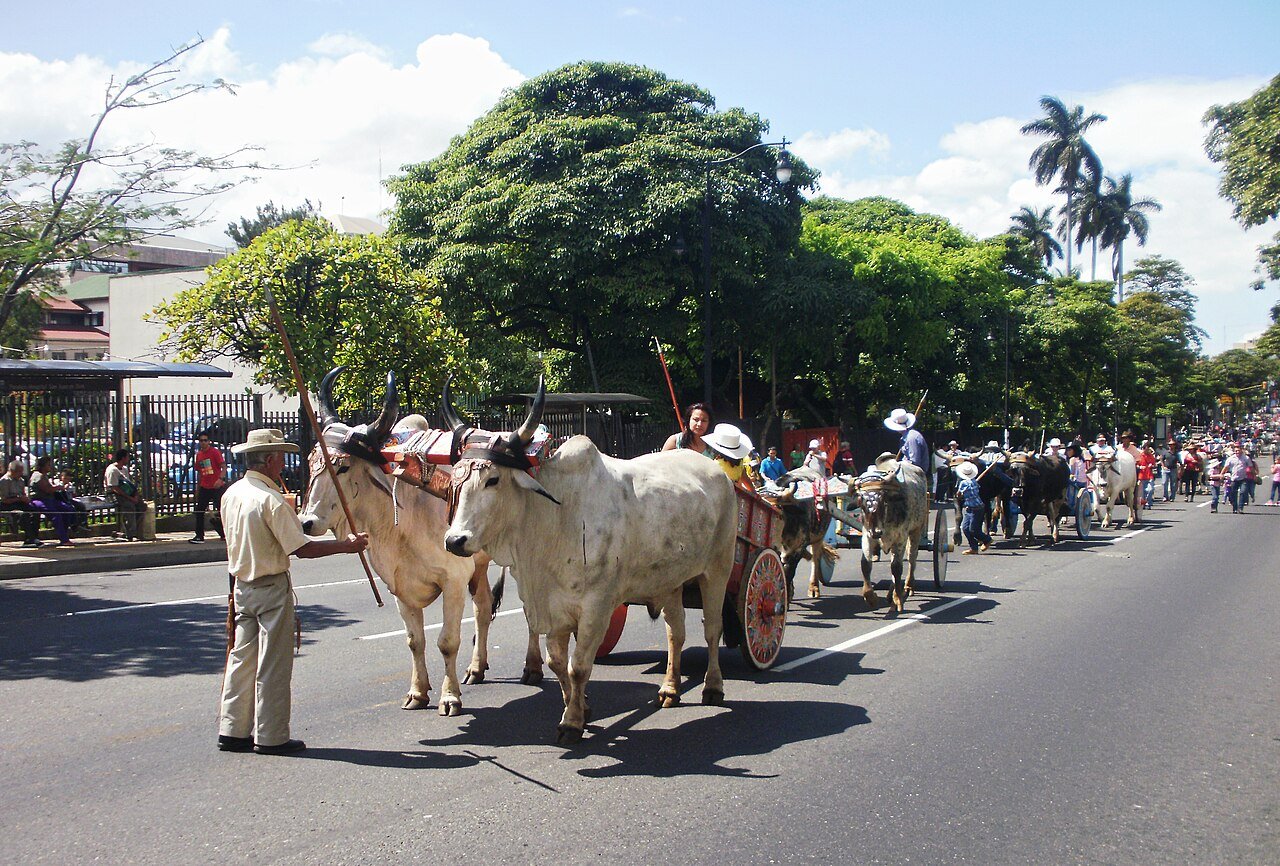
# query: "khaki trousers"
[[260, 668]]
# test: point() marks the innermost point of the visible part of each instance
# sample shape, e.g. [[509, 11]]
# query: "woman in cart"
[[697, 424]]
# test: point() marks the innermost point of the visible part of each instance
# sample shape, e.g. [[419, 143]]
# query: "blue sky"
[[920, 101]]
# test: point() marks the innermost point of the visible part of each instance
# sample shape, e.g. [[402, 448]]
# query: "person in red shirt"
[[1146, 460], [211, 472], [1192, 463]]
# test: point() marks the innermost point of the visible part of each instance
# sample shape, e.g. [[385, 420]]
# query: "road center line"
[[195, 600], [1131, 534], [433, 626], [872, 635]]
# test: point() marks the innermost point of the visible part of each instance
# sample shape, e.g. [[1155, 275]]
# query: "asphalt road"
[[1109, 701]]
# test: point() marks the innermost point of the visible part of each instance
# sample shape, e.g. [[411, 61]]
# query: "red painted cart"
[[756, 599]]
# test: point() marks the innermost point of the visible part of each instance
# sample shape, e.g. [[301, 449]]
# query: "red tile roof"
[[83, 335]]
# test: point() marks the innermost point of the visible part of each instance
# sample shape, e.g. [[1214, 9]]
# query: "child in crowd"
[[974, 509]]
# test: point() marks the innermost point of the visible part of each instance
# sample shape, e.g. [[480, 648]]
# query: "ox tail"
[[498, 589]]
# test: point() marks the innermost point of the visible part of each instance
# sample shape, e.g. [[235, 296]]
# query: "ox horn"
[[530, 425], [390, 409], [447, 412], [324, 397]]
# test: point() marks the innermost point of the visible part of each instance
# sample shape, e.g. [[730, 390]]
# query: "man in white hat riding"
[[262, 532], [913, 448]]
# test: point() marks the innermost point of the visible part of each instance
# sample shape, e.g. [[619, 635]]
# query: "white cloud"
[[344, 115], [838, 147], [342, 44], [1154, 132]]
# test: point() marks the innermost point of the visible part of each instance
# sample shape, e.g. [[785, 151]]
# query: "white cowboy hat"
[[993, 444], [814, 443], [1055, 442], [728, 440], [266, 439], [967, 471], [900, 419]]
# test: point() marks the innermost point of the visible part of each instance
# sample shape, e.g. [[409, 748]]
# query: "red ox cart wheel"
[[762, 608], [614, 632]]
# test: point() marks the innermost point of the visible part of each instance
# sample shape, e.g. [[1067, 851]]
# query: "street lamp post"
[[783, 173]]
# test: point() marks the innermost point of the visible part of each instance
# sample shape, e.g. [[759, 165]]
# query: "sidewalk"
[[106, 554]]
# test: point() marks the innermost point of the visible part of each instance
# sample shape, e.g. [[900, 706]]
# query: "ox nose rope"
[[395, 501]]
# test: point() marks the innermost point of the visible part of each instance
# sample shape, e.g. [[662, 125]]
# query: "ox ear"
[[528, 482]]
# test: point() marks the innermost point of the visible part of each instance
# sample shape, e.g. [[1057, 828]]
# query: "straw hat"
[[967, 471], [1055, 442], [886, 462], [900, 419], [266, 439], [728, 440]]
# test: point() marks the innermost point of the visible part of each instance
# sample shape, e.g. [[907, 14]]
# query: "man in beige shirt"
[[262, 532]]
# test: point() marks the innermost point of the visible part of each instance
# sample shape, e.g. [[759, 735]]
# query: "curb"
[[169, 554]]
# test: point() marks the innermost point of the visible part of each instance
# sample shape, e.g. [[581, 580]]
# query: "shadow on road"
[[396, 760], [159, 641]]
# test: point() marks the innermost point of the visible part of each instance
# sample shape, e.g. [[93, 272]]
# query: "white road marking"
[[1131, 534], [1203, 504], [195, 600], [435, 625], [872, 635]]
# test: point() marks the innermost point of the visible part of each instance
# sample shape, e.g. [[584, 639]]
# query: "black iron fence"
[[82, 431]]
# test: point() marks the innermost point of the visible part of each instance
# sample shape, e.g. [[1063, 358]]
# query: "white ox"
[[1115, 477], [405, 547], [592, 532]]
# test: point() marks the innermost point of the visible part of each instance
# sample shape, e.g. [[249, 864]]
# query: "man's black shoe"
[[234, 744], [290, 747]]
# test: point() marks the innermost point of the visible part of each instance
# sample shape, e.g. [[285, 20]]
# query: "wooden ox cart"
[[755, 607]]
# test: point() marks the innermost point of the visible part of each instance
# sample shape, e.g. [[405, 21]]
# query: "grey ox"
[[592, 532], [895, 509], [405, 528]]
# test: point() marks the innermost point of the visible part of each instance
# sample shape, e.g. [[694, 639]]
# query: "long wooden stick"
[[305, 398], [674, 403]]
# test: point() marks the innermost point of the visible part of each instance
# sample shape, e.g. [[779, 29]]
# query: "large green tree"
[[344, 300], [553, 224], [913, 304], [1244, 137], [267, 216], [1065, 155]]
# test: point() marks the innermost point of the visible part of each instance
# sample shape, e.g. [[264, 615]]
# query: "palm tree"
[[1087, 214], [1122, 214], [1066, 155], [1036, 228]]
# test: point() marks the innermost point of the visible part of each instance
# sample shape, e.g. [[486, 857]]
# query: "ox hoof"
[[473, 677], [567, 735], [872, 600], [531, 677], [451, 707], [712, 698], [815, 592], [667, 700], [415, 703], [911, 590]]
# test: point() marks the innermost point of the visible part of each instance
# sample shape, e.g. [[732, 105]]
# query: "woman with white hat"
[[731, 446], [913, 448], [816, 459]]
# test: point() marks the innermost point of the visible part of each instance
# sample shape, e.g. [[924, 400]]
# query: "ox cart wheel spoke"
[[762, 608], [614, 632], [941, 544], [1084, 514]]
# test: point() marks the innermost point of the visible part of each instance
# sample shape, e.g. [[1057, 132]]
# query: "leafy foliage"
[[551, 223], [344, 300], [267, 216]]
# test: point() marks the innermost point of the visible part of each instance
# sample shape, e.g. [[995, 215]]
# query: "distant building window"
[[82, 356], [58, 356], [97, 266]]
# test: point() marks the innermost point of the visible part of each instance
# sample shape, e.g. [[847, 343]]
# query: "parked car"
[[152, 426], [223, 430]]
